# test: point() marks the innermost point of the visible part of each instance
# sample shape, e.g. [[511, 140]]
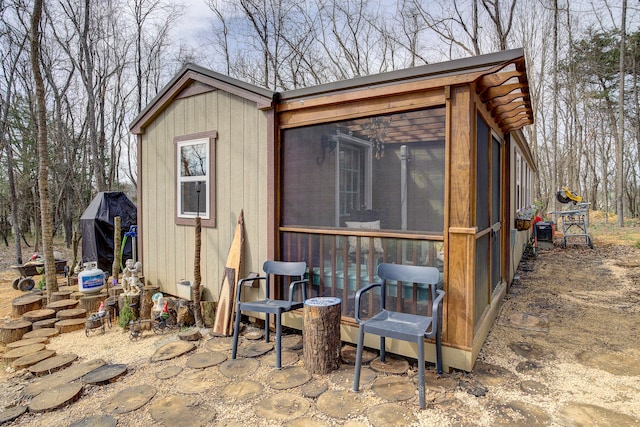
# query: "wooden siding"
[[241, 184]]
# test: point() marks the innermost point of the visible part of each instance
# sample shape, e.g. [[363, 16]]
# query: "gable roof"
[[196, 79]]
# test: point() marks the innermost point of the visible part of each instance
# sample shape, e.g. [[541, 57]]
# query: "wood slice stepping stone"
[[219, 344], [10, 414], [55, 397], [390, 415], [168, 372], [344, 376], [63, 304], [60, 295], [289, 377], [65, 376], [394, 388], [492, 375], [614, 363], [340, 404], [19, 352], [181, 411], [32, 359], [76, 296], [314, 388], [105, 374], [52, 364], [437, 383], [308, 421], [129, 399], [584, 414], [46, 323], [242, 391], [392, 365], [36, 315], [172, 350], [292, 342], [14, 331], [29, 341], [205, 360], [254, 334], [282, 407], [190, 335], [70, 325], [288, 358], [239, 368], [41, 333], [96, 421], [254, 349], [520, 414], [348, 355], [71, 313], [25, 303], [199, 382], [534, 387]]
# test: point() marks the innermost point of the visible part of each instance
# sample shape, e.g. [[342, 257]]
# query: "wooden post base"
[[321, 334]]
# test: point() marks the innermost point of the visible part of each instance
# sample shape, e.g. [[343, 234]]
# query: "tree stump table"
[[63, 304], [321, 334], [37, 315], [60, 295]]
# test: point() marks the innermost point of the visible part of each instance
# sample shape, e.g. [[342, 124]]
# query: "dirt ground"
[[564, 351]]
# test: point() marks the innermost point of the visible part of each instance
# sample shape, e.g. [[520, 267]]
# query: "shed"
[[422, 166], [97, 224]]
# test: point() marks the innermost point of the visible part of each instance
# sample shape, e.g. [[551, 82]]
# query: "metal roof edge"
[[422, 72]]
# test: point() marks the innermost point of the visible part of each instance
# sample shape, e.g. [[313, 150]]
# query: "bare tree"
[[620, 137]]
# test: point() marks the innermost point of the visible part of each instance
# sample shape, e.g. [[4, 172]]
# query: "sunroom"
[[409, 167]]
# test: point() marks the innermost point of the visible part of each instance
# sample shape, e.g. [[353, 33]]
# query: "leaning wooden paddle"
[[223, 324]]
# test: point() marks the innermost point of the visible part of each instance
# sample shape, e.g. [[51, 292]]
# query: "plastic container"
[[91, 279]]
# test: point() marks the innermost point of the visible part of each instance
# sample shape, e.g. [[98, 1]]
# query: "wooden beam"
[[497, 79], [507, 99], [495, 92], [508, 107]]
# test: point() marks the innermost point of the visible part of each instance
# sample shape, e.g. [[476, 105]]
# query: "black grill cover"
[[97, 227]]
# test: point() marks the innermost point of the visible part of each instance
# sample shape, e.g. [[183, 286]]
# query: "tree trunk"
[[115, 267], [321, 335], [620, 138], [43, 153]]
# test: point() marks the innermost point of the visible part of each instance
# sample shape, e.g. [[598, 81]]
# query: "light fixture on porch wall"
[[377, 129], [326, 142]]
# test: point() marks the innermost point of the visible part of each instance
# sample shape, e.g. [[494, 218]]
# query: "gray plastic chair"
[[294, 270], [402, 326]]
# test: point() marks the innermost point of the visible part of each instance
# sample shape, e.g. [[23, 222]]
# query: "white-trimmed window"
[[195, 178]]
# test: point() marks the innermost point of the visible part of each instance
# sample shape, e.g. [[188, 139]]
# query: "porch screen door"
[[496, 210]]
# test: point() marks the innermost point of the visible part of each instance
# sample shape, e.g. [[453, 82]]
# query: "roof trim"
[[440, 69], [194, 73]]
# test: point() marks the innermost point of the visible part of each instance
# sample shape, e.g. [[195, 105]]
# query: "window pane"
[[388, 168], [193, 160], [193, 202]]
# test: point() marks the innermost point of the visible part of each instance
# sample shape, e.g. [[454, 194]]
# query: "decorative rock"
[[205, 360], [10, 414], [70, 325], [390, 415], [52, 364], [129, 399], [392, 365], [393, 388], [32, 359], [36, 315], [41, 333], [282, 407], [55, 397], [180, 411]]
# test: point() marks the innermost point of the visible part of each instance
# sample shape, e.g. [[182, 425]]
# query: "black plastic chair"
[[293, 270], [402, 326]]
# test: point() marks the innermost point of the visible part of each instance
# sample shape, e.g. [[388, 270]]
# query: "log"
[[19, 352], [146, 303], [321, 334], [185, 316], [91, 303], [190, 335], [32, 359], [36, 315], [208, 309], [26, 303], [60, 295], [70, 325], [46, 323], [72, 313], [116, 290], [77, 295], [64, 304], [42, 332], [13, 331], [132, 299]]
